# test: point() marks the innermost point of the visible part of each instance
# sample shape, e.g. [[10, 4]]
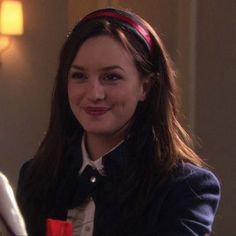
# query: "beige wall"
[[200, 36], [215, 108], [78, 9], [26, 78]]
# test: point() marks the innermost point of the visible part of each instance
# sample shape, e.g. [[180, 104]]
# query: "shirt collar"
[[98, 164]]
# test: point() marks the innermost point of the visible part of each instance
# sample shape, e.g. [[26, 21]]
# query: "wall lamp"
[[11, 22]]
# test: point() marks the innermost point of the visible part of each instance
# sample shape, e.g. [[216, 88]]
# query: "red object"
[[58, 228]]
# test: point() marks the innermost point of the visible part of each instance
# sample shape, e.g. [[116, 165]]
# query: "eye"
[[111, 77], [77, 75]]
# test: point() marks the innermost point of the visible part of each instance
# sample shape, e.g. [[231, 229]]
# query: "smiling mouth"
[[96, 111]]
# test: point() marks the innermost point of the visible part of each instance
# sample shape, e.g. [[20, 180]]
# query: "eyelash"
[[109, 78], [77, 76]]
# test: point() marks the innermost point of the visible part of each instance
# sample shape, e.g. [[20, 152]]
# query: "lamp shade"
[[11, 17]]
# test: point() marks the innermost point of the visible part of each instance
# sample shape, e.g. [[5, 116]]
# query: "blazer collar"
[[113, 162]]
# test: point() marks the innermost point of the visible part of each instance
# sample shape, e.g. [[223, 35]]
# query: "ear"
[[145, 87]]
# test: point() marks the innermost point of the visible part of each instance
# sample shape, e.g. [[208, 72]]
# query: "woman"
[[114, 109]]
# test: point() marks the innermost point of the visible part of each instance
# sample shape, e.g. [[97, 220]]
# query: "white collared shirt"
[[82, 217]]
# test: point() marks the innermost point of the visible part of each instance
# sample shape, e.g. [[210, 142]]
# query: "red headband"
[[145, 34]]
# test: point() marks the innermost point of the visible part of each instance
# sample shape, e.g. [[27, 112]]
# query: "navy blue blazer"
[[185, 205]]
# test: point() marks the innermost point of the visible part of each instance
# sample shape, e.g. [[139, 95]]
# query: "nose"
[[96, 91]]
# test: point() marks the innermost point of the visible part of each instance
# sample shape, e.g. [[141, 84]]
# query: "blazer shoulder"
[[191, 202], [196, 176], [198, 182]]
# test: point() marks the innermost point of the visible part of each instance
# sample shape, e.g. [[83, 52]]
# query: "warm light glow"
[[11, 17], [4, 43]]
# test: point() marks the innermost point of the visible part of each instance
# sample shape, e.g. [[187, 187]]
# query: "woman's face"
[[104, 87]]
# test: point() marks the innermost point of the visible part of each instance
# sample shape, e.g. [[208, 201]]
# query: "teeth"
[[9, 210]]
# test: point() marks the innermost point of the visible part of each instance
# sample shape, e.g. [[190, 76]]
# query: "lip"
[[96, 111]]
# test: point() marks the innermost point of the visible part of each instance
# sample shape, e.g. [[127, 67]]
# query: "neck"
[[97, 146]]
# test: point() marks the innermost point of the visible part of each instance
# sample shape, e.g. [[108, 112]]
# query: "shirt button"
[[93, 179], [87, 228]]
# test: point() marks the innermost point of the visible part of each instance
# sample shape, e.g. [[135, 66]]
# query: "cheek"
[[73, 94], [128, 105]]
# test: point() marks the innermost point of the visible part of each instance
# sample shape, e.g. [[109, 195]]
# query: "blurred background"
[[200, 36]]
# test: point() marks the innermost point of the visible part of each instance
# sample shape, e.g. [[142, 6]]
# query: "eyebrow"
[[106, 68]]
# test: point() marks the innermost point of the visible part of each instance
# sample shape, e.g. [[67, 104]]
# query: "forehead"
[[103, 50]]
